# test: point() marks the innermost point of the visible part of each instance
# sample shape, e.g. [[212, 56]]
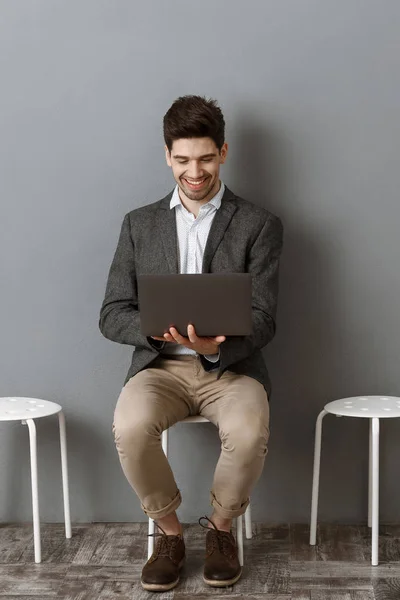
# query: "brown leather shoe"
[[222, 565], [161, 572]]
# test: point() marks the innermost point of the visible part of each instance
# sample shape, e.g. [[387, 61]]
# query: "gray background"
[[310, 91]]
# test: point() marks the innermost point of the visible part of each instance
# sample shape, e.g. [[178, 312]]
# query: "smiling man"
[[200, 227]]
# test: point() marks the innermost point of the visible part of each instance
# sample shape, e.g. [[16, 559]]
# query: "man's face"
[[195, 164]]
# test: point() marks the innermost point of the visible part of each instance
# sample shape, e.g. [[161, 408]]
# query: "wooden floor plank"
[[106, 590], [299, 542], [342, 595], [31, 580], [389, 543], [342, 569], [14, 540], [332, 594], [56, 548], [387, 589], [218, 595], [341, 543], [300, 595], [120, 544], [268, 539]]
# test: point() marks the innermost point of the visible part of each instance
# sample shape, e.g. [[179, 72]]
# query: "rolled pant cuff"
[[227, 513], [163, 512]]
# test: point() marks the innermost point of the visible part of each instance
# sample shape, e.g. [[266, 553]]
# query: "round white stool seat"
[[16, 408], [26, 410], [381, 407]]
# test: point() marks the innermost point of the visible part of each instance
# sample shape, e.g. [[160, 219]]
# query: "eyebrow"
[[179, 156]]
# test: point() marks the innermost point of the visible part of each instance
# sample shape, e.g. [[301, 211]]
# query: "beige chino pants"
[[171, 390]]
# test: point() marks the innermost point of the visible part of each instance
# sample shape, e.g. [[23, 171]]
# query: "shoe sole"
[[223, 583], [155, 587], [161, 587]]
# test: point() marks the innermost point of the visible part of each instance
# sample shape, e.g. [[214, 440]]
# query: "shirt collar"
[[215, 201]]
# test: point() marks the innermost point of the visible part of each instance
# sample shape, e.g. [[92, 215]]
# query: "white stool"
[[368, 407], [239, 520], [26, 410]]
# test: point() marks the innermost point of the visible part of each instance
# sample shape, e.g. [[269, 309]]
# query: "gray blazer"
[[243, 238]]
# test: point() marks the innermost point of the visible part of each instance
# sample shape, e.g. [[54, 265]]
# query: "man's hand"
[[201, 345]]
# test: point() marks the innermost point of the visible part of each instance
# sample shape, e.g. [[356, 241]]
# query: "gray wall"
[[310, 91]]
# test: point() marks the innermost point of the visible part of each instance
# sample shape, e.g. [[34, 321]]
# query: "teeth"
[[195, 182]]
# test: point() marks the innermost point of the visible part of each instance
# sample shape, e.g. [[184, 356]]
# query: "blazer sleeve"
[[263, 264], [119, 315]]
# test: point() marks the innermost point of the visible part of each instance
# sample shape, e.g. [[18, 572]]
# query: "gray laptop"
[[216, 303]]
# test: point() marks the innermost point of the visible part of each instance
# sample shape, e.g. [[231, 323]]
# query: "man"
[[199, 227]]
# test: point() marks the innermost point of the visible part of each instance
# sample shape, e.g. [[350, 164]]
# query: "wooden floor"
[[104, 561]]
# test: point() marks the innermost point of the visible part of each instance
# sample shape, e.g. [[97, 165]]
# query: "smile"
[[195, 183]]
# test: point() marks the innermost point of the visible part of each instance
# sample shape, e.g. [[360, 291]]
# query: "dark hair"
[[194, 117]]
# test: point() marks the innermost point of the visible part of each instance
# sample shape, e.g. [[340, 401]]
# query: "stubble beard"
[[195, 196]]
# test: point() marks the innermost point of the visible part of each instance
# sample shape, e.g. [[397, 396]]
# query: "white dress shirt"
[[192, 238]]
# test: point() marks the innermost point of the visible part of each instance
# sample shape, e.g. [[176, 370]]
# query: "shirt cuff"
[[214, 358]]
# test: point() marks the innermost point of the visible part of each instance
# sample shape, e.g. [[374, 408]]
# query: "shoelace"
[[164, 545], [221, 539]]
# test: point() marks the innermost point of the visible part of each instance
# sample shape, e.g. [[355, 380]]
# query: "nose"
[[195, 170]]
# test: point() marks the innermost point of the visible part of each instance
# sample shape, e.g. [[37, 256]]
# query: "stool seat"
[[20, 408], [381, 407], [195, 419]]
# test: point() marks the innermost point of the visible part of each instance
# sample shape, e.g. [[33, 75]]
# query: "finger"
[[192, 333], [168, 337], [154, 337], [217, 340], [177, 336]]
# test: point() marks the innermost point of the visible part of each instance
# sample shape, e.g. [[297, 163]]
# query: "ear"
[[168, 156], [224, 153]]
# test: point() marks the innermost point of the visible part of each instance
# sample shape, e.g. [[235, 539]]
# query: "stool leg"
[[370, 476], [247, 521], [34, 482], [315, 488], [150, 546], [375, 490], [164, 441], [64, 472], [239, 538]]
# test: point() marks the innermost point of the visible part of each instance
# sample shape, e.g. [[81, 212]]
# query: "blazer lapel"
[[167, 225], [218, 227]]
